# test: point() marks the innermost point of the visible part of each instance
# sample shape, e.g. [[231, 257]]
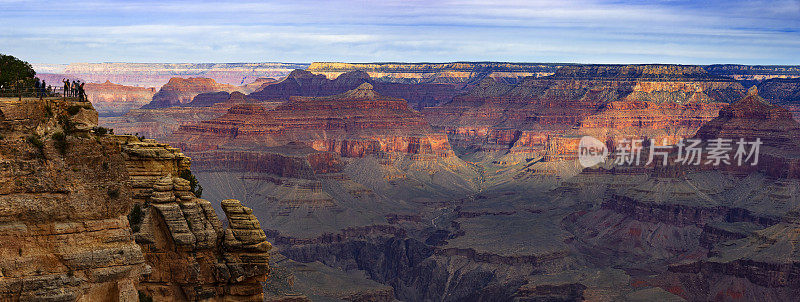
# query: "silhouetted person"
[[74, 90], [42, 90], [81, 93], [36, 85], [66, 87]]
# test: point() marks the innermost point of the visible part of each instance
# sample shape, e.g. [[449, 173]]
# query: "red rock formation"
[[181, 91], [645, 97], [753, 118], [354, 123], [113, 99], [658, 121]]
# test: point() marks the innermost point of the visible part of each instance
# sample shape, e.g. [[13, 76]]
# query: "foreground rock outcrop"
[[63, 207], [192, 257], [92, 217]]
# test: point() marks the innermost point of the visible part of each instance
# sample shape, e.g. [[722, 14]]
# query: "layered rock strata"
[[192, 257], [63, 207], [354, 124], [754, 118], [94, 217], [458, 72], [181, 91], [604, 100]]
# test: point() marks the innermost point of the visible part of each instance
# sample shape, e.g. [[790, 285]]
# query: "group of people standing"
[[74, 89], [41, 88]]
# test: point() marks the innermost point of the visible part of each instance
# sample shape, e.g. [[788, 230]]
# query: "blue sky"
[[687, 32]]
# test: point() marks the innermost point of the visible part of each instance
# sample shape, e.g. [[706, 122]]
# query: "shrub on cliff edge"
[[13, 70], [197, 189]]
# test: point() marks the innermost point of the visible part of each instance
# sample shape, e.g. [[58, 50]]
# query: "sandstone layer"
[[87, 216], [63, 207], [192, 257]]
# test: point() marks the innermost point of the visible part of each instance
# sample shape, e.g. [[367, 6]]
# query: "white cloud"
[[419, 30]]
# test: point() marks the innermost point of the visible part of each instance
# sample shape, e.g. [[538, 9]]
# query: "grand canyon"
[[381, 151], [403, 181]]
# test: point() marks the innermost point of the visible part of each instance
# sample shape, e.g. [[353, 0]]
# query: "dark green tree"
[[12, 70], [195, 186]]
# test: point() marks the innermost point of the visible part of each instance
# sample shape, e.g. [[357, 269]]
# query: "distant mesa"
[[181, 91], [306, 83]]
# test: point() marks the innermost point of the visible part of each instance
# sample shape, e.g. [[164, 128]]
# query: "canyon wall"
[[753, 74], [63, 207], [607, 101], [354, 123], [95, 217]]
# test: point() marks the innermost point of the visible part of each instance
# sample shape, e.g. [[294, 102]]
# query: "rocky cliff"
[[723, 233], [753, 118], [192, 257], [63, 207], [94, 217], [784, 92]]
